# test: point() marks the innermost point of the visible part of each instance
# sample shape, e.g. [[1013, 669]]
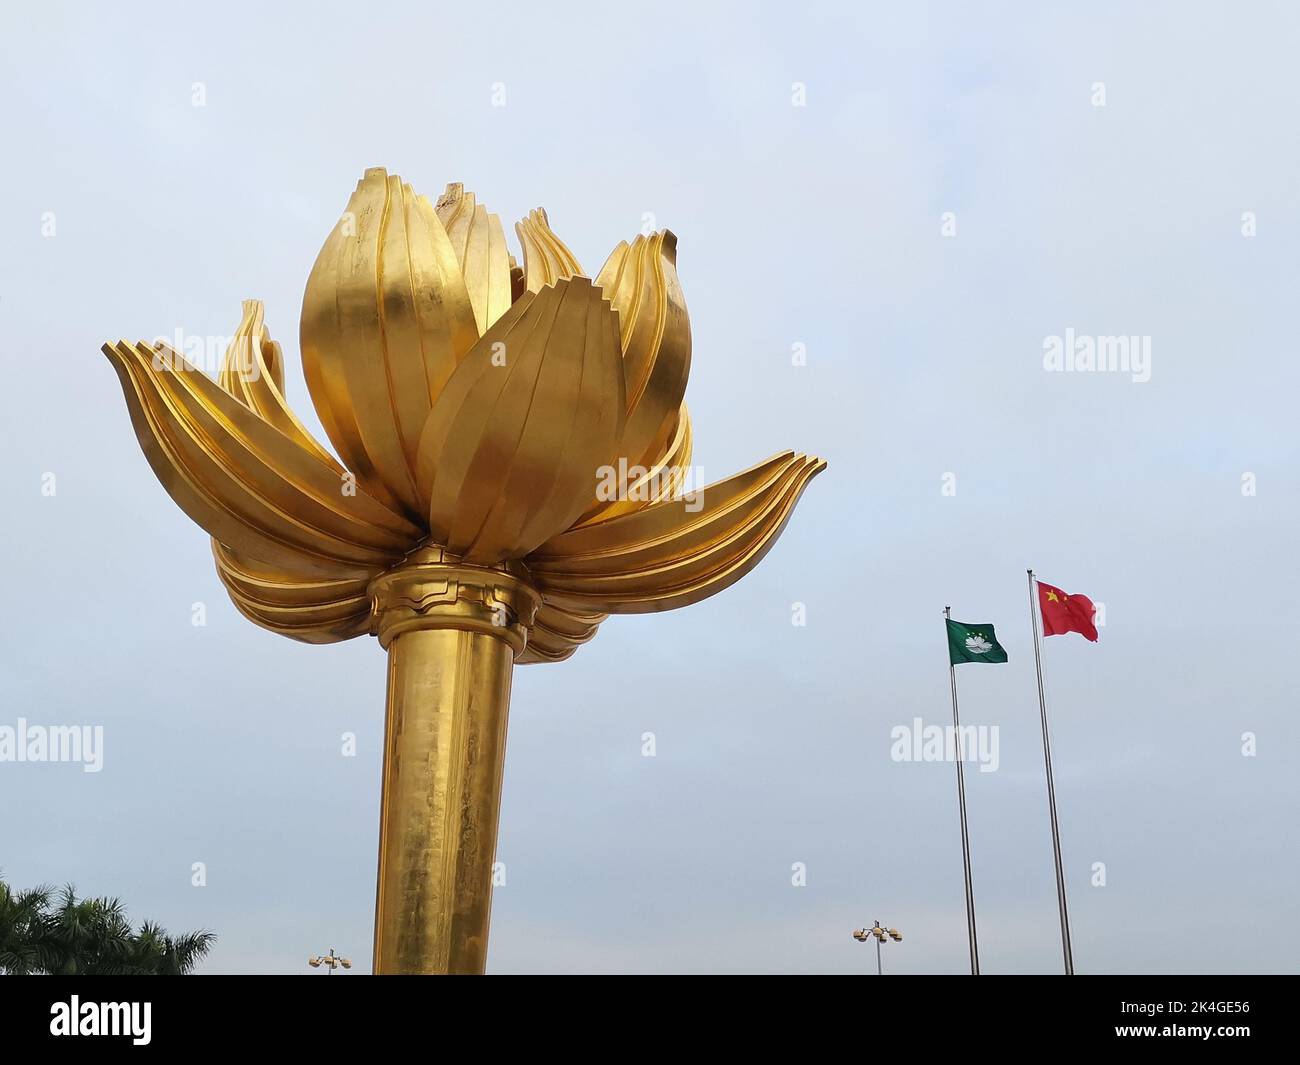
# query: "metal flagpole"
[[1051, 788], [961, 802]]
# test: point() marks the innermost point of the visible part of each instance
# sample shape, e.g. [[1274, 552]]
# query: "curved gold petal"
[[556, 633], [243, 481], [674, 553], [253, 371], [480, 247], [385, 319], [518, 286], [666, 479], [323, 610], [640, 280], [546, 259], [669, 477], [515, 442]]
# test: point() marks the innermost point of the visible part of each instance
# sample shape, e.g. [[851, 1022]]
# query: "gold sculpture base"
[[452, 633]]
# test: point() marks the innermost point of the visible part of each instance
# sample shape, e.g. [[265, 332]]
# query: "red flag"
[[1066, 613]]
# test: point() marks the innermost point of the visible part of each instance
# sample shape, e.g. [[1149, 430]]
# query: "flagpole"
[[1051, 787], [961, 802]]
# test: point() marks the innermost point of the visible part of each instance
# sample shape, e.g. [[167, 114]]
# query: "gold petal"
[[312, 610], [674, 553], [245, 482], [640, 280], [253, 371], [546, 259], [556, 633], [385, 319], [480, 247], [666, 479], [515, 442], [518, 286]]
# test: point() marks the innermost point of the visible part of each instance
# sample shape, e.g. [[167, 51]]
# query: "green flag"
[[973, 643]]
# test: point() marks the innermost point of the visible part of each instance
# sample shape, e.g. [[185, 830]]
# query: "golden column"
[[516, 467]]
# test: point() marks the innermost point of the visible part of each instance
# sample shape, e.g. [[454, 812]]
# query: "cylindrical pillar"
[[444, 755], [452, 633]]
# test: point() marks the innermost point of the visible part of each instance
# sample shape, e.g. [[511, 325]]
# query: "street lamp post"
[[876, 932], [331, 961]]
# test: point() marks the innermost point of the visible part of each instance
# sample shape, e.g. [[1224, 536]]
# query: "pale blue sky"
[[815, 225]]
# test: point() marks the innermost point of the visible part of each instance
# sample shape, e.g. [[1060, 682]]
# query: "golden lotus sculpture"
[[516, 460]]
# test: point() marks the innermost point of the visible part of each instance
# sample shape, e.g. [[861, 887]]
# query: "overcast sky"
[[1103, 169]]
